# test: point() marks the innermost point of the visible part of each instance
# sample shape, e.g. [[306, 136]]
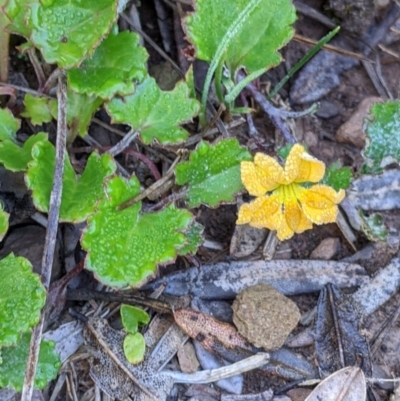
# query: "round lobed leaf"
[[195, 239], [9, 125], [16, 11], [37, 109], [3, 223], [155, 113], [13, 366], [132, 316], [134, 348], [80, 109], [212, 172], [66, 31], [16, 158], [268, 26], [124, 247], [74, 207], [116, 63], [383, 140], [22, 296]]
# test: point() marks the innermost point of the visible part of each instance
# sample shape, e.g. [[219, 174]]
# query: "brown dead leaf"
[[347, 384]]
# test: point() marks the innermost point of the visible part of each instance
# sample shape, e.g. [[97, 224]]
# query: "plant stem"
[[230, 35], [51, 234], [233, 94], [218, 81], [4, 45], [37, 67]]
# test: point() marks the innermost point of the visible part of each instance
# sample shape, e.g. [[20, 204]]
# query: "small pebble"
[[327, 110], [264, 316], [326, 250], [352, 130], [187, 358]]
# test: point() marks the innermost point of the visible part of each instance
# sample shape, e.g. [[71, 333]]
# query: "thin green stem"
[[229, 36], [218, 81], [234, 93], [303, 61]]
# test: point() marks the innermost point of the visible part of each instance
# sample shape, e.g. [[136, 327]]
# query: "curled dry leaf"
[[347, 384]]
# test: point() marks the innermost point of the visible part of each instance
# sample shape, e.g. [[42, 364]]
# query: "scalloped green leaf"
[[80, 109], [374, 227], [140, 241], [154, 113], [67, 31], [131, 316], [195, 239], [134, 348], [79, 193], [37, 109], [383, 140], [16, 11], [4, 216], [12, 369], [16, 158], [212, 173], [9, 125], [267, 23], [22, 296], [337, 177], [117, 64]]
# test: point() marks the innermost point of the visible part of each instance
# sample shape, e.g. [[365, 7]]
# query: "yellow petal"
[[295, 218], [262, 176], [264, 212], [302, 167], [319, 203]]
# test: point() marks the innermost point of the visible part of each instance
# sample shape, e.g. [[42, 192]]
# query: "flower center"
[[288, 193]]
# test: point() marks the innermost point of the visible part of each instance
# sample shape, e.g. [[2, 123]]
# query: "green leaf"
[[189, 77], [37, 109], [267, 23], [155, 113], [80, 109], [124, 247], [22, 296], [195, 239], [9, 125], [337, 177], [285, 150], [67, 31], [374, 227], [4, 216], [12, 370], [132, 316], [79, 193], [212, 172], [116, 63], [134, 348], [383, 140], [16, 158], [16, 11]]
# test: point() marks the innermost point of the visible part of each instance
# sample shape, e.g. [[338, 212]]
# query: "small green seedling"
[[134, 344]]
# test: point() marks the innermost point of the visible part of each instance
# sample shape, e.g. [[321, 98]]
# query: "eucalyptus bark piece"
[[337, 340], [289, 277], [379, 289]]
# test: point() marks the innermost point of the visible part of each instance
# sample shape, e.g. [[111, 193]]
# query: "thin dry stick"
[[51, 234]]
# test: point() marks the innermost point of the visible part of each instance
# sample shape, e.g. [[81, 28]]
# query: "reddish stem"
[[146, 161]]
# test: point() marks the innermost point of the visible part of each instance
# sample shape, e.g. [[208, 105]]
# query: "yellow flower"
[[290, 207]]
